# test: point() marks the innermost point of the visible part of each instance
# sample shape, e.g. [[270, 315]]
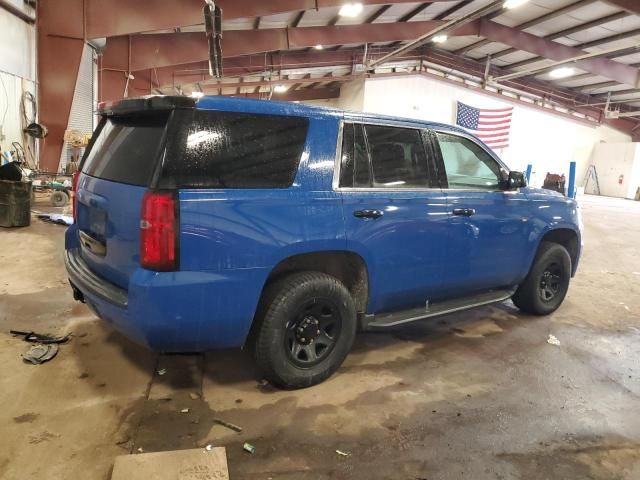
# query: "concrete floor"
[[476, 395]]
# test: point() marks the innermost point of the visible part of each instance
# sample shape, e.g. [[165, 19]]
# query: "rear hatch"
[[116, 171]]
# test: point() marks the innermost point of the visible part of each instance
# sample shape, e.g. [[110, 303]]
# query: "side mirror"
[[516, 180]]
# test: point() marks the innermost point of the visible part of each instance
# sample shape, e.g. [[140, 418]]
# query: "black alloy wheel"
[[313, 333]]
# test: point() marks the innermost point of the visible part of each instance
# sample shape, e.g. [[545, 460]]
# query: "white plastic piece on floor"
[[343, 454], [552, 340]]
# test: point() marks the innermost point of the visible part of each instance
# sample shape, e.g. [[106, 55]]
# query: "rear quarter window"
[[234, 150], [126, 149]]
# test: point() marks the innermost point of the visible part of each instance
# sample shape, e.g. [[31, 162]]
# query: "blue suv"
[[285, 228]]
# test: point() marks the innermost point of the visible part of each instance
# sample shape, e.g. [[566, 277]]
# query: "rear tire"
[[307, 324], [546, 285]]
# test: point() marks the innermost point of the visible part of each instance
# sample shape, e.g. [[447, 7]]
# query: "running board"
[[393, 319]]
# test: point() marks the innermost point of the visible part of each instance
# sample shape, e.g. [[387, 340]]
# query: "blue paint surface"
[[232, 239]]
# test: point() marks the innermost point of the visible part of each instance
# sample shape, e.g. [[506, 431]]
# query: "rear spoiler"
[[132, 106]]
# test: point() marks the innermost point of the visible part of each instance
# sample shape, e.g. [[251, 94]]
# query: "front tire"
[[546, 285], [307, 327]]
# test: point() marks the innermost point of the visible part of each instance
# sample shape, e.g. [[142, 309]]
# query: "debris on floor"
[[40, 353], [56, 218], [247, 447], [34, 337], [162, 371], [552, 340], [184, 410], [342, 454], [230, 426], [184, 464]]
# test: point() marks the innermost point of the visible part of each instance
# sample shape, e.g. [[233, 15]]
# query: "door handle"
[[368, 213], [464, 212]]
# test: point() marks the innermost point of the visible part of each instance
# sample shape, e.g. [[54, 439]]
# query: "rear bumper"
[[81, 275], [173, 311]]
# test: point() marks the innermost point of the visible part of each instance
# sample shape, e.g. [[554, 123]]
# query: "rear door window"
[[235, 150], [126, 149], [398, 158]]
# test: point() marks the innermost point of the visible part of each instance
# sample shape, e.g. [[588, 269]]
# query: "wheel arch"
[[568, 238], [347, 266]]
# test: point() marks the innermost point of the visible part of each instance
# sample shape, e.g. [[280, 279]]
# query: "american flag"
[[489, 125]]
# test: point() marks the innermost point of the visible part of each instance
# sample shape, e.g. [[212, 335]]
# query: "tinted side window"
[[235, 150], [354, 170], [125, 149], [397, 157], [467, 164]]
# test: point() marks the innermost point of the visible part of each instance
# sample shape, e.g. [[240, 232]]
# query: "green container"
[[15, 203]]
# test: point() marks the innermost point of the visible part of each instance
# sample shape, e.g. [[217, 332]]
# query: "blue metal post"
[[571, 191], [528, 173]]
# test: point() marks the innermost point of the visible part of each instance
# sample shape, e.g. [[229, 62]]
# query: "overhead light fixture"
[[351, 9], [319, 47], [562, 72], [514, 3], [196, 94], [440, 38], [280, 88]]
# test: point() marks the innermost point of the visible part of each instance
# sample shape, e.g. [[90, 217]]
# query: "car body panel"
[[232, 239], [412, 233], [110, 212], [485, 249]]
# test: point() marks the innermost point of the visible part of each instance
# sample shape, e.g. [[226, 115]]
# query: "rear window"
[[125, 149], [235, 150]]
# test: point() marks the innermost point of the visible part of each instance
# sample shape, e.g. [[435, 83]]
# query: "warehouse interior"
[[488, 393]]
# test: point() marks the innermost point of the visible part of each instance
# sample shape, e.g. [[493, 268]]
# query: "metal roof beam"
[[594, 62], [631, 6], [139, 52], [466, 19], [292, 95], [527, 24], [109, 18], [377, 14], [569, 31]]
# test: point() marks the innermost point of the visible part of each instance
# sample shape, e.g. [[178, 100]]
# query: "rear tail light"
[[158, 232], [74, 195]]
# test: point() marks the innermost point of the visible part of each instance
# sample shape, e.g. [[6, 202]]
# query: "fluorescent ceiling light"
[[440, 38], [514, 3], [319, 47], [350, 9], [280, 88], [197, 94], [562, 72]]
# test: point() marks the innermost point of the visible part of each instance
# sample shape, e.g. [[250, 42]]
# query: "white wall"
[[548, 142], [17, 74], [618, 169], [83, 106]]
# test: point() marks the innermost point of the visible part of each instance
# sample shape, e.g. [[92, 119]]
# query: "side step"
[[386, 320]]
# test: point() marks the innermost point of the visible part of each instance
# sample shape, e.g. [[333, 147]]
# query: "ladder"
[[592, 175]]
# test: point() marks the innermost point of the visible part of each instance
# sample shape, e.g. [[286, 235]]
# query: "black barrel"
[[15, 203]]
